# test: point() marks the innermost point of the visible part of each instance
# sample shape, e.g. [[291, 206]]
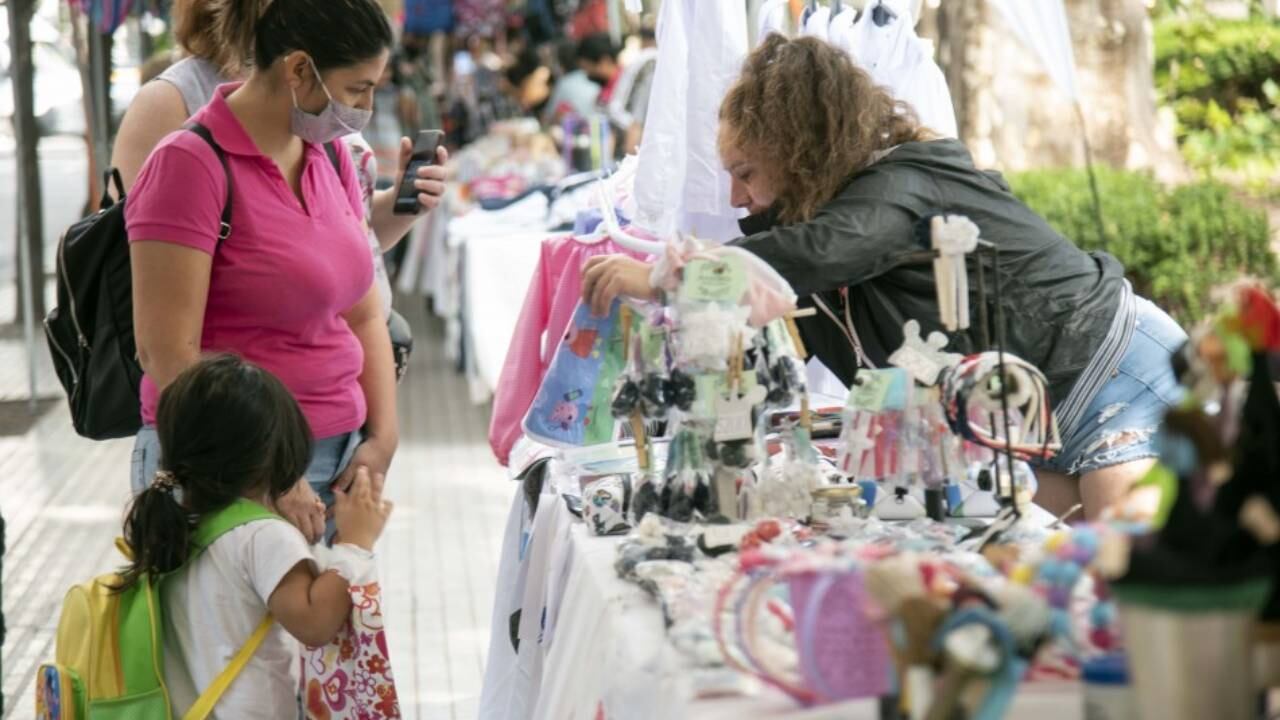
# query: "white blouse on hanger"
[[815, 25], [681, 183], [772, 18], [899, 60], [840, 31]]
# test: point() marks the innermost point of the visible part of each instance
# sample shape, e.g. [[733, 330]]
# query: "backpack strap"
[[224, 231], [331, 149], [238, 513]]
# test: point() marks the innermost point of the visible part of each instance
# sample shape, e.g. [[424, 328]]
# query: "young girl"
[[231, 430]]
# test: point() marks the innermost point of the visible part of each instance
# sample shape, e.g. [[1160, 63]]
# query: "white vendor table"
[[601, 650]]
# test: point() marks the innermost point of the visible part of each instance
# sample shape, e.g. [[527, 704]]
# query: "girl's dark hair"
[[335, 33], [227, 429]]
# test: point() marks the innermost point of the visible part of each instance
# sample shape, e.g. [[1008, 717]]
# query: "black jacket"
[[1059, 301]]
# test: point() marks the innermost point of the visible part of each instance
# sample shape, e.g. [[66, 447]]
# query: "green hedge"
[[1176, 243], [1222, 79], [1227, 61]]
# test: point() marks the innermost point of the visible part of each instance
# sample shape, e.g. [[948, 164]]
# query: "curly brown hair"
[[220, 31], [811, 119]]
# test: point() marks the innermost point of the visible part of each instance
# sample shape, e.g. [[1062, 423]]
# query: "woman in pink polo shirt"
[[290, 287]]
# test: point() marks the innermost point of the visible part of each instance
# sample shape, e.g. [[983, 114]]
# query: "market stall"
[[608, 650], [473, 258], [761, 556], [700, 531]]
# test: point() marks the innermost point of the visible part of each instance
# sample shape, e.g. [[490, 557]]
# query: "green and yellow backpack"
[[110, 645]]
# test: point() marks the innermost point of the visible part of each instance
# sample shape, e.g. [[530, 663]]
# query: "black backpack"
[[90, 330]]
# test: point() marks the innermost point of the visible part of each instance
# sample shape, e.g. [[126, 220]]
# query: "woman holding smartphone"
[[218, 38], [289, 285]]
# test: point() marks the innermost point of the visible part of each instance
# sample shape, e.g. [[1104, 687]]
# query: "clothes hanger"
[[809, 10], [612, 230], [882, 15]]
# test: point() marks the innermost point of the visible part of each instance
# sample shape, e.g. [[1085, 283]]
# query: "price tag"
[[714, 385], [720, 280], [877, 390], [733, 414]]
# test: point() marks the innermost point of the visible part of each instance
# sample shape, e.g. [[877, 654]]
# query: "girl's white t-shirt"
[[214, 604]]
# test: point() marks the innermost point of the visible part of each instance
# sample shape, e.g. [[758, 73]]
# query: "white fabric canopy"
[[1041, 25]]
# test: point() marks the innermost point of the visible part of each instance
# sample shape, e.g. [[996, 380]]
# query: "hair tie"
[[165, 481]]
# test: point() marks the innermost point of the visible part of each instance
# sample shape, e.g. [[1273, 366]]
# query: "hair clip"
[[683, 389], [654, 396], [626, 397], [165, 481]]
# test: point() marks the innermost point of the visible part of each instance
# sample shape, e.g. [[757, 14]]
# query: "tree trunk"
[[1013, 117], [30, 236]]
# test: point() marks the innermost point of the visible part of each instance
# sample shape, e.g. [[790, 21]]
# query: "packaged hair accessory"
[[605, 503]]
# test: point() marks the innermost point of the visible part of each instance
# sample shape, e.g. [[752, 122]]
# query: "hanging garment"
[[424, 17], [899, 60], [772, 19], [839, 32], [701, 46], [1043, 28], [549, 305], [107, 15], [630, 97], [573, 407], [485, 18], [815, 25], [591, 18]]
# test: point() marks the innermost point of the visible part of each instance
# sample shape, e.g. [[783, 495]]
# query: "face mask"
[[758, 223], [331, 123]]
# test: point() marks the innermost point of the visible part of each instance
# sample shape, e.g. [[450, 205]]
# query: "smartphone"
[[424, 154]]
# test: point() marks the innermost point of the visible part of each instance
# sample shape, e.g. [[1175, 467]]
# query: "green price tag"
[[721, 280], [716, 385], [877, 390]]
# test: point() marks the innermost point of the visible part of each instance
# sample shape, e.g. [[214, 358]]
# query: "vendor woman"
[[839, 179]]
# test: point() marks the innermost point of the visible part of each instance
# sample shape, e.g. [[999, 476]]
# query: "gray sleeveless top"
[[196, 78]]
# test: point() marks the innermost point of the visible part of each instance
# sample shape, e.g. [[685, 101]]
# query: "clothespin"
[[733, 413], [953, 237], [794, 332], [637, 419], [735, 366]]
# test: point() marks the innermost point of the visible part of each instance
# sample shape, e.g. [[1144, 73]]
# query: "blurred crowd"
[[567, 79]]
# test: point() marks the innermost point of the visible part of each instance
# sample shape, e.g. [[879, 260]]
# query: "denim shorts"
[[1120, 423], [329, 458]]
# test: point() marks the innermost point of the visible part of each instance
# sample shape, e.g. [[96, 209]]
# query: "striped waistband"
[[1103, 364]]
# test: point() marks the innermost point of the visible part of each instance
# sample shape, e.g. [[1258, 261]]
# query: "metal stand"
[[30, 224]]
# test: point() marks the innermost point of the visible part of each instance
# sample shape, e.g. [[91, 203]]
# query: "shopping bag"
[[350, 678], [572, 407]]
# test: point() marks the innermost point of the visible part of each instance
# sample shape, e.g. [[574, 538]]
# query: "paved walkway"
[[62, 498]]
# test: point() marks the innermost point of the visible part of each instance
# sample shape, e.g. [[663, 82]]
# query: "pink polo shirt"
[[283, 279]]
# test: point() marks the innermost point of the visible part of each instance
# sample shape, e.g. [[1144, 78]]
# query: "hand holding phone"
[[424, 153]]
